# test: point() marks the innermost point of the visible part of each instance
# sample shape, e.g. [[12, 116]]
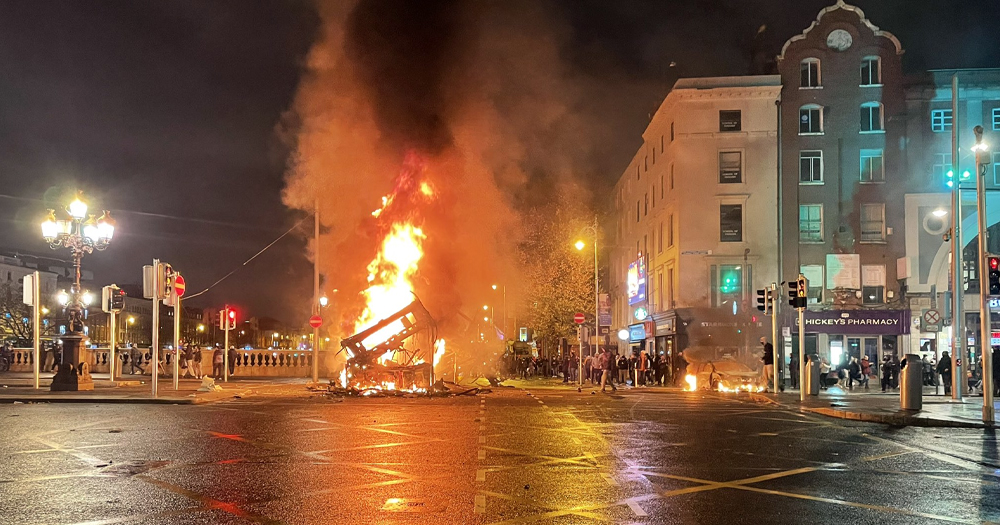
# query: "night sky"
[[167, 112]]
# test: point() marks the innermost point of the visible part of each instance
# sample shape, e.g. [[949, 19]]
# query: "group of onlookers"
[[640, 368]]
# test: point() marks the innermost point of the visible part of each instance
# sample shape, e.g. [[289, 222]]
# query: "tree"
[[15, 317], [559, 277]]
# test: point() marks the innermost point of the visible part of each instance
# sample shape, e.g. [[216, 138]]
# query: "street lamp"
[[82, 234], [580, 245]]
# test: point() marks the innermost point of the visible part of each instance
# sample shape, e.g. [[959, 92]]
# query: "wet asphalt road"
[[512, 456]]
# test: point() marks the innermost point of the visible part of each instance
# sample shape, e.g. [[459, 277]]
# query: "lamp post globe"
[[81, 234]]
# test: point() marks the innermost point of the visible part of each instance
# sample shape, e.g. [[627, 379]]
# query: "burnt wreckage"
[[378, 361]]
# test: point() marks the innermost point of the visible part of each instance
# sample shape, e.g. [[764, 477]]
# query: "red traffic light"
[[994, 263], [232, 314]]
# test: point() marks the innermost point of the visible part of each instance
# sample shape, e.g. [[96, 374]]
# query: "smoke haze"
[[479, 93]]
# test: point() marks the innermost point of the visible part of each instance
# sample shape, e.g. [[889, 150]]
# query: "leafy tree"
[[559, 278], [15, 317]]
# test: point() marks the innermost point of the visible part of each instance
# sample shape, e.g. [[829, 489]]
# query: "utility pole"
[[957, 245], [225, 348], [777, 366], [315, 301], [155, 350], [36, 323], [177, 341], [984, 287], [597, 293]]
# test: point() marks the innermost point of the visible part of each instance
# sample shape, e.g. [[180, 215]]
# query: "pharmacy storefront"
[[838, 335]]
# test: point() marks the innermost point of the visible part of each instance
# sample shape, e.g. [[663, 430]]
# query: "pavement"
[[516, 455], [19, 388], [878, 407]]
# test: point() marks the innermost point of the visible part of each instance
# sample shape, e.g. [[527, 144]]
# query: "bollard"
[[811, 387], [910, 383]]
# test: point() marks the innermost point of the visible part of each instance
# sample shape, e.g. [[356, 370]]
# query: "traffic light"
[[730, 280], [798, 292], [232, 319], [117, 299], [764, 300], [994, 275], [164, 281], [222, 318]]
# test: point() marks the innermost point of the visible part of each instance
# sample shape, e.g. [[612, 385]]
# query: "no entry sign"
[[579, 318], [179, 285], [315, 321]]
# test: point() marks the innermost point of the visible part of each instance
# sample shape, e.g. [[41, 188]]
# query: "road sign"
[[179, 285], [315, 321], [579, 318], [930, 321]]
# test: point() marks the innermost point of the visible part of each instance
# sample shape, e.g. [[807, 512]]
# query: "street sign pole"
[[177, 342], [802, 353], [113, 339], [957, 245]]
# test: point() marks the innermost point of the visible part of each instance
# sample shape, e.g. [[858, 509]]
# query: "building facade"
[[843, 183], [695, 221]]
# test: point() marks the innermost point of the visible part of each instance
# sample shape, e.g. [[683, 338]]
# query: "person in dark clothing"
[[793, 369], [896, 367], [217, 363], [232, 360], [768, 359], [996, 372], [853, 373], [944, 368]]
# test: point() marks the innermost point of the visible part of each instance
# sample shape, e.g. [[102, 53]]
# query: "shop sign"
[[860, 322], [636, 333], [665, 327]]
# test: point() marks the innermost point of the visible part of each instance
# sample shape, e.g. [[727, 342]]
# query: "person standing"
[[608, 377], [588, 364], [232, 361], [944, 368], [793, 369], [217, 363], [866, 371], [196, 362], [768, 359]]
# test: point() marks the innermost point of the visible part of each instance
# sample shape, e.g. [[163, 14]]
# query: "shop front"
[[838, 335], [665, 325]]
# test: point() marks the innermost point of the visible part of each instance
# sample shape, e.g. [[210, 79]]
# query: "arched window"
[[810, 119], [871, 117], [871, 71], [809, 73]]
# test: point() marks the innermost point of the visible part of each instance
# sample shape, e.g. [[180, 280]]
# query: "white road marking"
[[480, 503], [636, 509], [611, 481], [482, 453], [480, 475]]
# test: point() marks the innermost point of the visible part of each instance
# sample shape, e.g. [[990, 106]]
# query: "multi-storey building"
[[695, 217], [843, 182]]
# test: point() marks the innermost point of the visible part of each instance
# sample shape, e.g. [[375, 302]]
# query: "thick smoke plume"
[[477, 92]]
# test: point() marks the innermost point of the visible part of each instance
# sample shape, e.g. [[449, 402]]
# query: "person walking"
[[588, 364], [824, 371], [944, 368], [768, 359], [866, 371], [886, 373], [608, 377], [135, 359]]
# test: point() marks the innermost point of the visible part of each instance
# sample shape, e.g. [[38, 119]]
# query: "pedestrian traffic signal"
[[164, 281], [994, 275], [764, 300], [117, 299]]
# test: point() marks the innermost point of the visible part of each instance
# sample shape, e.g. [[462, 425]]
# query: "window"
[[671, 176], [729, 120], [670, 230], [809, 73], [811, 167], [730, 167], [940, 120], [872, 284], [659, 239], [996, 119], [811, 223], [645, 208], [872, 166], [661, 143], [670, 287], [661, 186], [731, 223], [871, 71], [636, 211], [872, 222], [810, 119], [637, 171], [996, 169], [941, 170], [671, 132], [645, 163], [654, 155], [654, 196], [871, 117]]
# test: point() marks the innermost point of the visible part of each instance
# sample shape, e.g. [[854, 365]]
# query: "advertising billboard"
[[637, 281]]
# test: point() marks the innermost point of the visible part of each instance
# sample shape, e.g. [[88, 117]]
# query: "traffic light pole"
[[225, 349], [957, 245], [155, 350], [985, 339], [777, 365], [114, 342], [802, 353]]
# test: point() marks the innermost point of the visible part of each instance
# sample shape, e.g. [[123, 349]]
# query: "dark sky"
[[165, 111]]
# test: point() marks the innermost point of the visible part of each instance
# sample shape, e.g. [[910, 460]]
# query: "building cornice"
[[847, 7]]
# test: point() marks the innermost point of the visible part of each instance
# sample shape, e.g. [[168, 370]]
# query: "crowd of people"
[[607, 368]]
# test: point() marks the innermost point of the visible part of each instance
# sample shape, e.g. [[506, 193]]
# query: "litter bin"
[[910, 383], [811, 385]]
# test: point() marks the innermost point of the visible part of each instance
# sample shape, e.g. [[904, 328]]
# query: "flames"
[[691, 384]]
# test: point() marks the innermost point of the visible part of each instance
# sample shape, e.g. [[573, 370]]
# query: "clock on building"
[[839, 40]]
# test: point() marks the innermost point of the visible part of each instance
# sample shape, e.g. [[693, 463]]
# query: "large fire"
[[390, 283]]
